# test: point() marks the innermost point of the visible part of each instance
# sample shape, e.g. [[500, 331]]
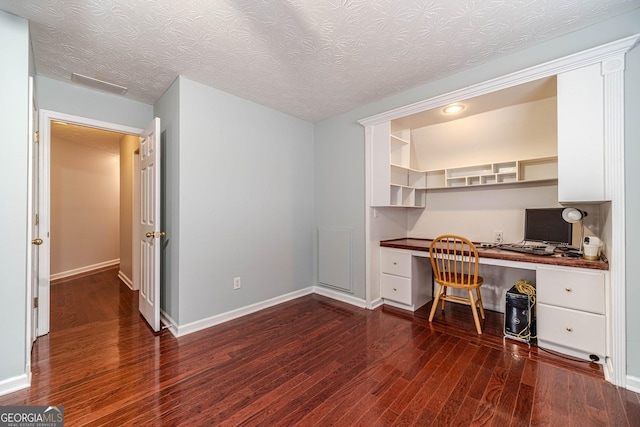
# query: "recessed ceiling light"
[[453, 108]]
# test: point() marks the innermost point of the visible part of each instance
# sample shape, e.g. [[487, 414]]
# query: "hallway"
[[91, 298]]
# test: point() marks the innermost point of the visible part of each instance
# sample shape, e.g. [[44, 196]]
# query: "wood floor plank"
[[307, 362], [616, 411], [521, 416], [446, 360], [452, 404], [631, 402], [491, 397], [507, 400]]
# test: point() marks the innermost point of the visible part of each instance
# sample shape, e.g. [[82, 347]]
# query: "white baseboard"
[[375, 304], [85, 269], [169, 323], [125, 279], [234, 314], [633, 383], [14, 384], [339, 296], [181, 330]]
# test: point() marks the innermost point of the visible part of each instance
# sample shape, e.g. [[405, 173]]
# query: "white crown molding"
[[560, 65]]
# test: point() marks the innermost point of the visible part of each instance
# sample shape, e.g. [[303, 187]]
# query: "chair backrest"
[[454, 260]]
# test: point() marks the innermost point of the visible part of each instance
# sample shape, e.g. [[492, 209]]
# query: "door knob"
[[37, 242], [152, 234]]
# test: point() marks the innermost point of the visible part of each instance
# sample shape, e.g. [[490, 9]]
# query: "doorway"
[[90, 234], [91, 205]]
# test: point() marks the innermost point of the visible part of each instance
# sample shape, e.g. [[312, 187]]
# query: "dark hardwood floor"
[[309, 362]]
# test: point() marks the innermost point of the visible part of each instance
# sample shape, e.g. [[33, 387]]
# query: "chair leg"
[[474, 309], [435, 302], [444, 292], [480, 303]]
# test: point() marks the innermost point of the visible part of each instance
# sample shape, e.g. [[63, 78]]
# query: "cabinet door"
[[581, 135], [396, 262], [395, 288], [578, 290], [380, 171], [575, 329]]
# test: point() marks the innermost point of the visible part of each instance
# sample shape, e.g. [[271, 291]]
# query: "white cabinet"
[[400, 276], [571, 311], [393, 182], [581, 135]]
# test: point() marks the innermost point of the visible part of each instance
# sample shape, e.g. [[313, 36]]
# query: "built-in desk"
[[572, 293], [506, 258]]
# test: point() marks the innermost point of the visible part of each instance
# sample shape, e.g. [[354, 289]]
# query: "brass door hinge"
[[36, 136], [37, 219], [35, 302]]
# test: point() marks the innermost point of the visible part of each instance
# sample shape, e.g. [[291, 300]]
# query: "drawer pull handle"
[[568, 289], [569, 329], [395, 263], [395, 289]]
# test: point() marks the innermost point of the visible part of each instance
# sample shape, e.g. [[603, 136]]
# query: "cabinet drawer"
[[579, 290], [395, 288], [570, 328], [395, 262]]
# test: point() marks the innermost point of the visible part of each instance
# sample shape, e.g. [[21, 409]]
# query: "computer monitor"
[[547, 226]]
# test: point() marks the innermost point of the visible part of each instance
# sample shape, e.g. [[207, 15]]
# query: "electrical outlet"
[[236, 283], [498, 237]]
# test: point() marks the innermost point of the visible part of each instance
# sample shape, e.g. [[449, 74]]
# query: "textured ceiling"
[[309, 58]]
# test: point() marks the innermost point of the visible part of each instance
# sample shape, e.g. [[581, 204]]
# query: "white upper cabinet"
[[581, 175]]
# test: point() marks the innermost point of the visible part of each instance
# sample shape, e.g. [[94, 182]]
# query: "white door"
[[150, 235]]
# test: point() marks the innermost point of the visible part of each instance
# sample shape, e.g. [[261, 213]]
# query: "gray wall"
[[632, 171], [14, 75], [167, 108], [339, 146], [246, 202], [79, 101]]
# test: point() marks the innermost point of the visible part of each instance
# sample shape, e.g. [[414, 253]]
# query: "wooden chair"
[[455, 265]]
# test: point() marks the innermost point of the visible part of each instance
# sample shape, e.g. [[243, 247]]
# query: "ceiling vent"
[[98, 84]]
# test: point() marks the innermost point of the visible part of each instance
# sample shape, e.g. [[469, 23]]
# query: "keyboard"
[[526, 249]]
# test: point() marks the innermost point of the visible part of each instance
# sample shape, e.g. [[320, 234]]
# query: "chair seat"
[[454, 260], [456, 281]]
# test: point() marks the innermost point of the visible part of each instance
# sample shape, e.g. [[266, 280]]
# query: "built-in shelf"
[[516, 171], [398, 184]]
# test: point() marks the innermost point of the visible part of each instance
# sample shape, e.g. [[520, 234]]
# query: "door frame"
[[32, 187], [46, 117]]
